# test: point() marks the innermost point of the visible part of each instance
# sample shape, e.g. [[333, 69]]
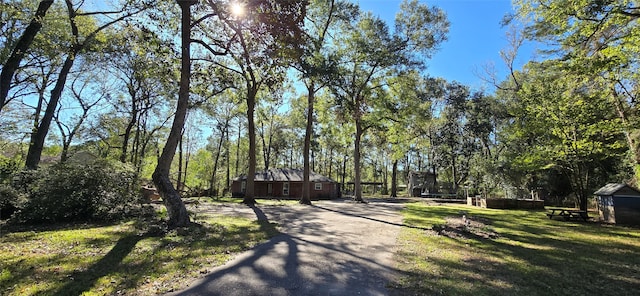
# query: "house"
[[619, 204], [287, 183]]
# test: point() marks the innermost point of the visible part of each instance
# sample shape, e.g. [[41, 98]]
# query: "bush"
[[8, 166], [10, 201], [100, 191]]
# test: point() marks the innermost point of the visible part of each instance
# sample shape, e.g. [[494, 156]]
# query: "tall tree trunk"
[[330, 160], [185, 171], [238, 149], [22, 46], [178, 216], [127, 135], [135, 152], [306, 183], [435, 178], [454, 174], [582, 178], [227, 160], [357, 188], [268, 160], [64, 154], [394, 179], [249, 196], [36, 113], [180, 157], [291, 157], [38, 137], [344, 169], [265, 150], [212, 188], [385, 178]]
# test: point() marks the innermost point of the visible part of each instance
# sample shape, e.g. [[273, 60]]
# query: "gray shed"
[[619, 204]]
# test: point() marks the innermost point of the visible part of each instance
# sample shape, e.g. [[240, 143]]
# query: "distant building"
[[424, 184], [619, 204], [287, 183]]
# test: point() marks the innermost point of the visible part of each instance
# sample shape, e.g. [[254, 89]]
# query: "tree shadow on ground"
[[83, 281], [368, 218], [309, 258], [531, 255]]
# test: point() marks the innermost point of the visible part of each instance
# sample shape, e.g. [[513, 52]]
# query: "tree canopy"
[[320, 85]]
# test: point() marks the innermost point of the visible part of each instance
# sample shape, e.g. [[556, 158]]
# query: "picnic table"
[[568, 214]]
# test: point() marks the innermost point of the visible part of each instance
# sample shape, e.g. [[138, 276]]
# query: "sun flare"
[[237, 9]]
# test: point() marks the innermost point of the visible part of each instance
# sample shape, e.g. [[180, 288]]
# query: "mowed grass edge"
[[121, 259], [512, 252]]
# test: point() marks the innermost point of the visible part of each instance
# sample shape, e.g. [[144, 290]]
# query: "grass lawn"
[[119, 259], [513, 252]]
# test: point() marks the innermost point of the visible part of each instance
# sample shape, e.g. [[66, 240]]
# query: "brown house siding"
[[329, 190]]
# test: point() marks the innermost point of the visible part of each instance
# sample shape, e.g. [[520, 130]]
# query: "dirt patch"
[[464, 226]]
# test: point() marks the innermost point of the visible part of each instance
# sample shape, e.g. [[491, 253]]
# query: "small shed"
[[618, 204], [421, 183], [287, 183]]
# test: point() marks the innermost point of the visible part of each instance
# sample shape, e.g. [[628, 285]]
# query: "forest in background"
[[278, 81]]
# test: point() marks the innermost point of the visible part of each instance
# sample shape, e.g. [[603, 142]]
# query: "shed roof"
[[286, 175], [615, 188]]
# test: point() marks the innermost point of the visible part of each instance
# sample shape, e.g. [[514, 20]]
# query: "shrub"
[[100, 191], [10, 201], [8, 166]]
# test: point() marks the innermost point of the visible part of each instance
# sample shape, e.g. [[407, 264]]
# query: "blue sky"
[[475, 37]]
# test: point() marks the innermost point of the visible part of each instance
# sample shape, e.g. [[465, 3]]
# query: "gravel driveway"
[[331, 248]]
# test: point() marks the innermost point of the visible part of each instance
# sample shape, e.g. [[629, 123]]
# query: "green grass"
[[528, 255], [120, 259]]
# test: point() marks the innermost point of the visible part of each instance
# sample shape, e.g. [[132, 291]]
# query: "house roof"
[[613, 188], [285, 174]]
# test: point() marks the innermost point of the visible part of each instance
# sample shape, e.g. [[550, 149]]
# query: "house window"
[[243, 186], [285, 189], [318, 186]]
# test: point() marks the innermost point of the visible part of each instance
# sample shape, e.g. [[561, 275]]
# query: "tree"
[[143, 65], [223, 109], [255, 47], [599, 39], [409, 110], [77, 46], [271, 126], [562, 123], [333, 133], [454, 145], [178, 216], [369, 52], [68, 131], [315, 63], [21, 48], [485, 117]]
